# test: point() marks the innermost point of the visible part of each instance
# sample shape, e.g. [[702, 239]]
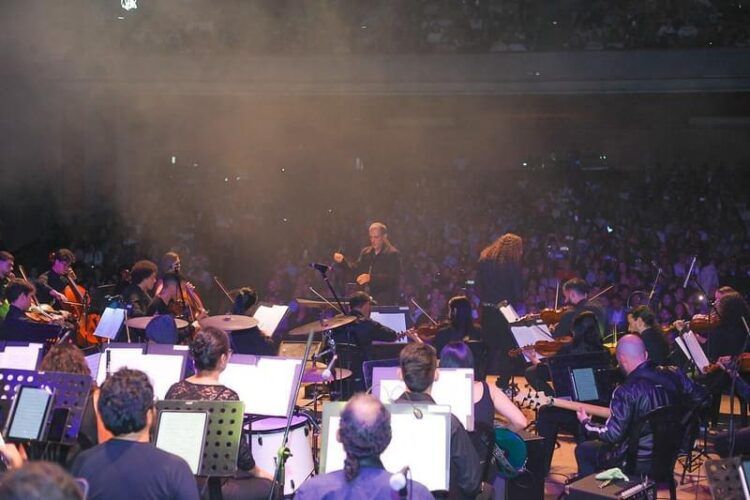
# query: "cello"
[[77, 302]]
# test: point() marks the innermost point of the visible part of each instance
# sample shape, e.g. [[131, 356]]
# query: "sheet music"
[[269, 318], [394, 321], [692, 349], [163, 370], [29, 412], [453, 388], [530, 335], [110, 323], [419, 443], [182, 433], [510, 313], [20, 357], [265, 387]]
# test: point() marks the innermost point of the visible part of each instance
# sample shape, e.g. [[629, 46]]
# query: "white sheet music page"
[[269, 318], [163, 370], [692, 349], [266, 387], [530, 335], [182, 434], [20, 357]]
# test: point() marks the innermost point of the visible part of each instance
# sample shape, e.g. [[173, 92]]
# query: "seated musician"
[[18, 327], [365, 433], [488, 399], [642, 321], [170, 291], [360, 334], [646, 388], [51, 284], [418, 364], [586, 340], [210, 353], [138, 294], [576, 293], [251, 340], [6, 274], [128, 466], [461, 325], [170, 264]]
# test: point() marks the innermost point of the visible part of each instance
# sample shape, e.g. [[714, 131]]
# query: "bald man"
[[646, 388], [365, 432]]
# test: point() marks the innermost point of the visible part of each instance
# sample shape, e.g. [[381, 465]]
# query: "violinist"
[[499, 279], [138, 293], [642, 321], [576, 292], [18, 326], [169, 293], [6, 274], [585, 340], [52, 283], [360, 335], [460, 327]]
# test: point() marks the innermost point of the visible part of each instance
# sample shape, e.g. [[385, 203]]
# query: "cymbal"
[[321, 326], [315, 375], [319, 304], [142, 322], [229, 322]]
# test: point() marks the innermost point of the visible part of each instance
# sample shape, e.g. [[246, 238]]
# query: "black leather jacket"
[[645, 389]]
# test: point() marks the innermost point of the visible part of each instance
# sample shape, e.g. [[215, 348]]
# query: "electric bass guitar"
[[536, 400]]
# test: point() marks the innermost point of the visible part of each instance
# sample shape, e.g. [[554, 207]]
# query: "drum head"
[[274, 424]]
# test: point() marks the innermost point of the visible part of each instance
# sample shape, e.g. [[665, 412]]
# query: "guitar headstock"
[[531, 399]]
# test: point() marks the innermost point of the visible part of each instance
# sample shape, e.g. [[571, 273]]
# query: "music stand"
[[221, 442], [453, 388], [264, 383], [162, 368], [421, 440], [71, 392], [369, 366], [21, 355], [561, 368]]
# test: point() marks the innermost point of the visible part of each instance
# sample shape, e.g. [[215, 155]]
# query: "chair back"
[[667, 430]]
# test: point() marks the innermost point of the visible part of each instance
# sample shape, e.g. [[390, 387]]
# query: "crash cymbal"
[[142, 322], [315, 375], [322, 326], [318, 304], [229, 322]]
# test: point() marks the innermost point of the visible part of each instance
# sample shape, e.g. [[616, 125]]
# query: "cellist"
[[51, 284]]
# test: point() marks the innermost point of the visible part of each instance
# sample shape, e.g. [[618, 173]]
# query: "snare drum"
[[266, 436]]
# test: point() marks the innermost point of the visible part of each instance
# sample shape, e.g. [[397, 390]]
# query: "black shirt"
[[124, 470], [656, 346], [568, 317], [498, 282], [448, 334], [362, 332], [50, 281], [466, 472], [157, 306], [17, 327], [384, 269], [138, 300]]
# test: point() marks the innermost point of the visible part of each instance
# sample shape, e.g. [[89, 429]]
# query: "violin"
[[45, 314], [544, 348], [699, 324], [77, 303], [425, 333]]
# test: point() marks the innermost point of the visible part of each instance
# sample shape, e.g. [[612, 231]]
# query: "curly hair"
[[207, 347], [124, 401], [65, 358], [39, 481], [508, 248], [364, 431]]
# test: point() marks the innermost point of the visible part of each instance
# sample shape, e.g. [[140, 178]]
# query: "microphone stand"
[[324, 275], [283, 454]]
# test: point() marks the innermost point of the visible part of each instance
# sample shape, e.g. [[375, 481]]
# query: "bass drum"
[[266, 435]]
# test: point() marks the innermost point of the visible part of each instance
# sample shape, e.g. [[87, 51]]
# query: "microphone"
[[327, 373], [319, 267], [690, 271], [397, 481]]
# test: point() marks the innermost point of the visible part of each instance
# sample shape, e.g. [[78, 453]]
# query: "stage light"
[[129, 4]]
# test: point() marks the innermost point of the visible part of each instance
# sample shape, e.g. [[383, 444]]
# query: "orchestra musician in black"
[[378, 267], [138, 294], [576, 293], [51, 284], [499, 280]]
